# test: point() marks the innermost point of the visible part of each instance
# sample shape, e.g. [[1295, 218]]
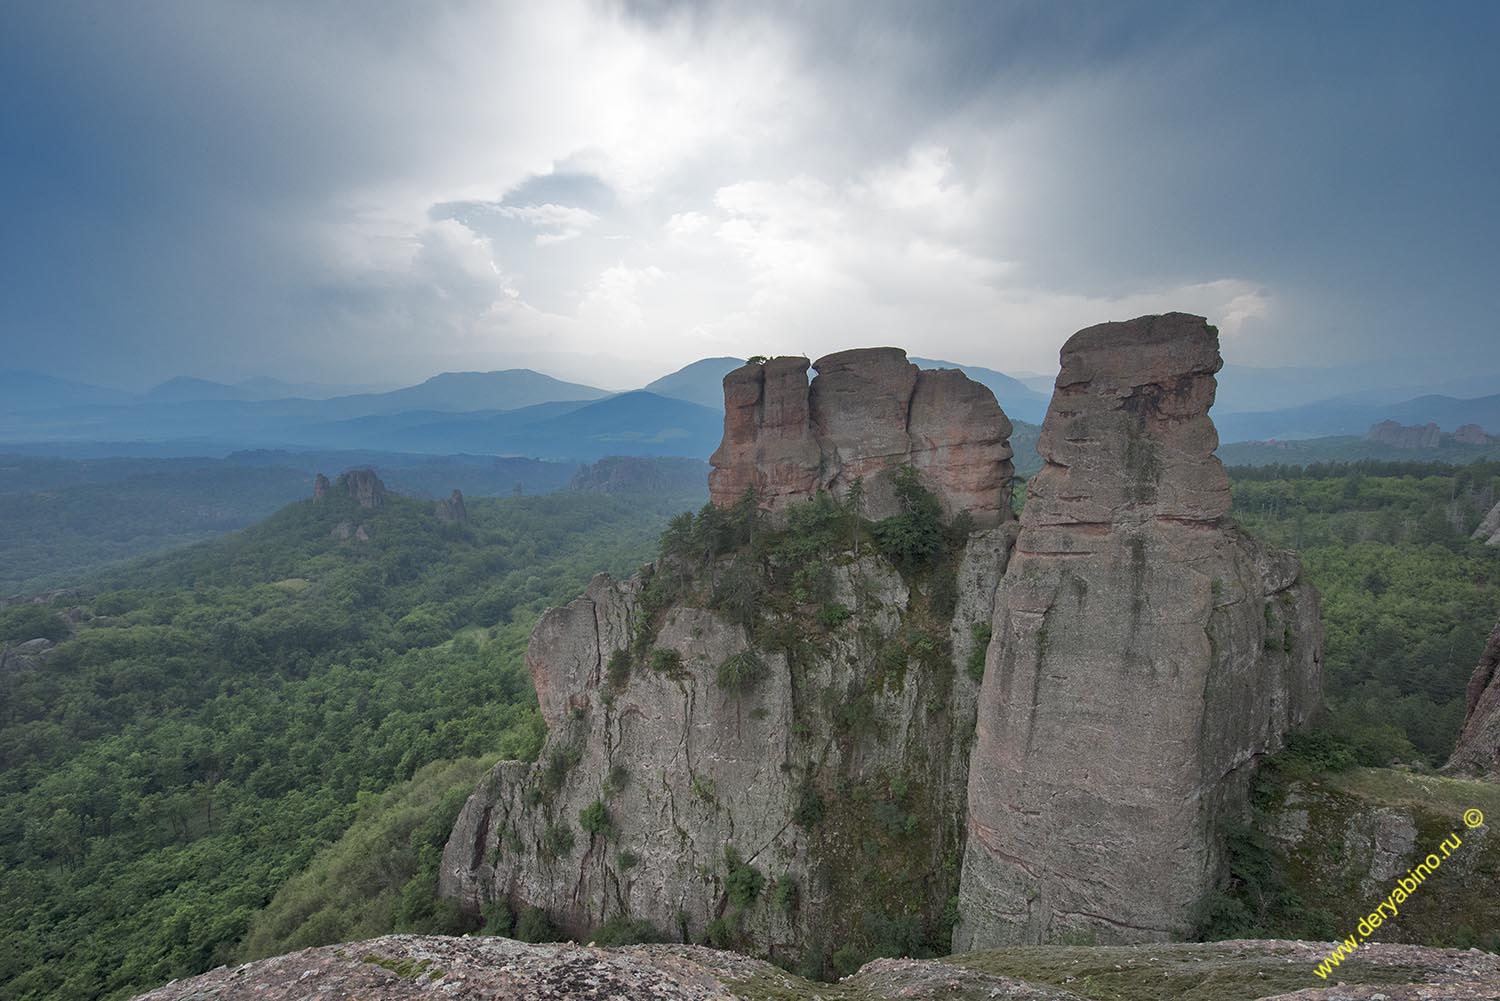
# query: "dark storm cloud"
[[379, 191]]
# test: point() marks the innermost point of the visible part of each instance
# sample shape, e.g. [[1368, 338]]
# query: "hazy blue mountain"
[[264, 387], [1339, 417], [635, 423], [702, 382], [457, 392], [1018, 400], [185, 389], [1245, 388], [21, 390]]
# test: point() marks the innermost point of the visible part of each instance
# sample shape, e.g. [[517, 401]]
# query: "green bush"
[[534, 926], [787, 895], [808, 812], [618, 671], [742, 881], [31, 622], [594, 819], [741, 672], [980, 633], [625, 930], [913, 539], [557, 840], [666, 661]]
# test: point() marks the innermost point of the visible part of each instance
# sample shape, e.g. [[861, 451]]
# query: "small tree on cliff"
[[912, 539]]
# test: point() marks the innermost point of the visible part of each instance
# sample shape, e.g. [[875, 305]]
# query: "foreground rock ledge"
[[418, 966]]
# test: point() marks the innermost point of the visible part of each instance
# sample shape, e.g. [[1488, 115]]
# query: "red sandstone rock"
[[868, 411]]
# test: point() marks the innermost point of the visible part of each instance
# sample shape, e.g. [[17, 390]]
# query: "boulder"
[[1471, 434], [1144, 655]]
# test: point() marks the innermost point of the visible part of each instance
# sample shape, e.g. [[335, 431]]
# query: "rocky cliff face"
[[868, 412], [1144, 653], [772, 744], [361, 484], [1489, 529], [1471, 434], [452, 508], [1478, 749], [782, 786], [1404, 436]]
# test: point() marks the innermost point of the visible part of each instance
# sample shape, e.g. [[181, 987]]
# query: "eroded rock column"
[[1143, 654]]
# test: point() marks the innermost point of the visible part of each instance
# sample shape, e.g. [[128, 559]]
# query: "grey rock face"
[[1489, 530], [1478, 749], [452, 509], [1144, 654], [790, 771], [1406, 436]]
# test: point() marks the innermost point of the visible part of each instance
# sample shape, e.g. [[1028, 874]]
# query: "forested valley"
[[260, 742]]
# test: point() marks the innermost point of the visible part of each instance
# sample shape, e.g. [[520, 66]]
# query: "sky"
[[378, 191]]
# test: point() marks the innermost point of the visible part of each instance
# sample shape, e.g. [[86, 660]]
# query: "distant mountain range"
[[520, 412]]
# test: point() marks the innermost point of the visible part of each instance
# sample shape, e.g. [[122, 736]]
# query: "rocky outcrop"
[[791, 776], [866, 413], [1472, 434], [1489, 529], [346, 531], [1395, 435], [360, 484], [403, 967], [833, 767], [364, 486], [452, 509], [25, 656], [633, 474], [1340, 841], [1478, 748], [1144, 654]]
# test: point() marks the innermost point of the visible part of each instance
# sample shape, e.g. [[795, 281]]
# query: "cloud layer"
[[608, 191]]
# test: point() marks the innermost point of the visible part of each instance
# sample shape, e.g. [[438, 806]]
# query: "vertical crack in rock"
[[1098, 804]]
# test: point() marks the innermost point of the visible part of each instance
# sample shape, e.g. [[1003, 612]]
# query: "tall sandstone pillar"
[[1144, 654]]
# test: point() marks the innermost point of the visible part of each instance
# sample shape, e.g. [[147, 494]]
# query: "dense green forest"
[[260, 742], [63, 518], [1408, 597], [222, 713]]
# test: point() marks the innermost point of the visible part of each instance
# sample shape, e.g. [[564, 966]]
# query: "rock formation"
[[1144, 654], [839, 770], [1471, 434], [452, 508], [1402, 436], [364, 486], [484, 968], [788, 778], [834, 766], [624, 474], [361, 484], [867, 412], [1478, 750], [1489, 529]]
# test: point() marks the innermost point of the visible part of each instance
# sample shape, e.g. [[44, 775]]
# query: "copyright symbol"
[[1473, 818]]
